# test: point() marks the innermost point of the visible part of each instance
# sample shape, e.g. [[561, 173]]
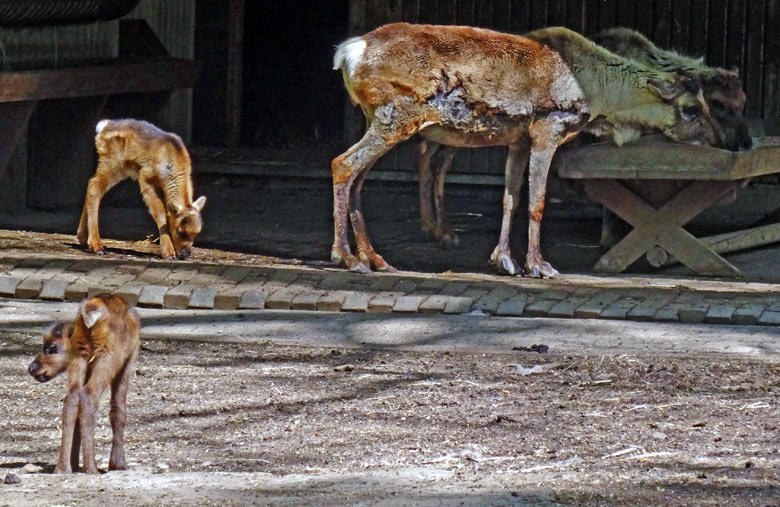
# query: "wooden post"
[[234, 72]]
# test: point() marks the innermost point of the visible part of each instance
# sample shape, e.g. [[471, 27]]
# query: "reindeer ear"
[[92, 312], [174, 208], [200, 202], [667, 91]]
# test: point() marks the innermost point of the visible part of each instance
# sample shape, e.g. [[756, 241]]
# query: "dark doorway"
[[292, 98]]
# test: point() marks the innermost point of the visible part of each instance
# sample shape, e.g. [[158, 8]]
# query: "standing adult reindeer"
[[468, 87]]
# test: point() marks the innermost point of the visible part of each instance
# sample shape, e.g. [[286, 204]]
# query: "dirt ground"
[[393, 427], [292, 219]]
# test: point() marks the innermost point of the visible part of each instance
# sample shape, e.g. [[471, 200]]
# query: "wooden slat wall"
[[173, 21], [741, 33]]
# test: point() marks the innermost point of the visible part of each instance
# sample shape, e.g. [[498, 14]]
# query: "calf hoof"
[[61, 470], [359, 267], [117, 466]]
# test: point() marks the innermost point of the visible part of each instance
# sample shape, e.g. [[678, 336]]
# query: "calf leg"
[[88, 233], [118, 414], [501, 257], [70, 411], [75, 448], [157, 209], [103, 372]]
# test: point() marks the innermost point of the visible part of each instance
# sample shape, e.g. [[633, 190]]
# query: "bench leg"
[[661, 226]]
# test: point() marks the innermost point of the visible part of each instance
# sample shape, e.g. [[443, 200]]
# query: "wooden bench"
[[659, 187]]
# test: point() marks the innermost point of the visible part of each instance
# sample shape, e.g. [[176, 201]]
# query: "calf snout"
[[184, 253], [35, 371]]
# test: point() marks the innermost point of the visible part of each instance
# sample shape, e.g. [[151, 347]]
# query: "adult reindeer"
[[469, 87], [722, 91]]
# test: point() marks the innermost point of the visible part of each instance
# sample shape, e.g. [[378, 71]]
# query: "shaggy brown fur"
[[160, 162], [466, 87], [722, 88], [97, 349]]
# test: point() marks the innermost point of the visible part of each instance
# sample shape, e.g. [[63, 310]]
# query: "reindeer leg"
[[104, 179], [546, 135], [157, 209], [366, 252], [441, 164], [118, 413], [75, 447], [423, 153], [501, 257], [392, 124]]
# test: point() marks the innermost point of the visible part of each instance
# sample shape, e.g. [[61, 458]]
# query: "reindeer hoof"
[[540, 270], [505, 264], [449, 240]]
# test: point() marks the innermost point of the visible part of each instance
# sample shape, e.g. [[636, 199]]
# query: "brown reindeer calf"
[[160, 162], [98, 349]]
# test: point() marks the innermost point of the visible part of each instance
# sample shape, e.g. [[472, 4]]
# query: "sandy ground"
[[260, 422]]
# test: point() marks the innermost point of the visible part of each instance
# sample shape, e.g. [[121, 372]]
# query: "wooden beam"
[[167, 74], [724, 243], [234, 72]]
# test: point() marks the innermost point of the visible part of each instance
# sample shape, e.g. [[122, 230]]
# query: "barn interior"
[[250, 87]]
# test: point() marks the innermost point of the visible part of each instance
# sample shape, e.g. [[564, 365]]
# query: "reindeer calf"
[[160, 162], [98, 349]]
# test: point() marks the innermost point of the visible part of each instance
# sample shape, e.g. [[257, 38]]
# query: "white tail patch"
[[100, 126], [348, 54]]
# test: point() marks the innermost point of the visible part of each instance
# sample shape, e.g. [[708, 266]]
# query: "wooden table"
[[693, 179]]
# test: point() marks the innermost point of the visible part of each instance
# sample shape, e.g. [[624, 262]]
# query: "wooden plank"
[[638, 161], [577, 16], [754, 48], [662, 226], [770, 90], [556, 12], [428, 12], [483, 14], [106, 80], [680, 26], [643, 16], [466, 11], [717, 33], [663, 17], [447, 13], [591, 8], [61, 165], [13, 123], [699, 26], [735, 34], [538, 15], [724, 243], [501, 15], [607, 14], [520, 16], [410, 11]]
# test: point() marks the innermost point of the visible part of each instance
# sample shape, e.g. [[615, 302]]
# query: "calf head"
[[54, 357], [726, 99], [693, 122], [184, 223]]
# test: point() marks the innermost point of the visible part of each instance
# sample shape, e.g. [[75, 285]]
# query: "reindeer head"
[[693, 123], [184, 223], [54, 356], [726, 99]]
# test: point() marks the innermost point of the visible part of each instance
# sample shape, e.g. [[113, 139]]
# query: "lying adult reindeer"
[[722, 91], [469, 87], [160, 162], [97, 350], [722, 88]]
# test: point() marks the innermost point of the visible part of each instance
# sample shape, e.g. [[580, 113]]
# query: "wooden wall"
[[741, 33]]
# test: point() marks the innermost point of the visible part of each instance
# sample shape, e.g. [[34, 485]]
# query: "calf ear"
[[667, 91], [200, 203], [92, 312], [174, 208]]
